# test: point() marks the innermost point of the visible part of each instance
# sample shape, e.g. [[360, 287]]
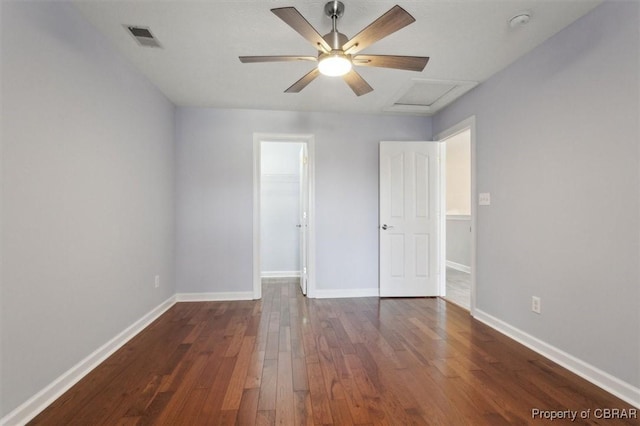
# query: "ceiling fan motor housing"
[[335, 39]]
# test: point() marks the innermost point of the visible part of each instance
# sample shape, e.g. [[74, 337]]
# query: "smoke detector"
[[520, 19]]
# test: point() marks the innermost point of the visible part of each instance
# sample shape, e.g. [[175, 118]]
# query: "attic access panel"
[[424, 93], [428, 96]]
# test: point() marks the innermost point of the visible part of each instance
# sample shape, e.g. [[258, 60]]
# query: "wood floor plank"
[[254, 374], [144, 398], [248, 410], [290, 360], [226, 418], [273, 345], [303, 410], [266, 418], [344, 342], [236, 340], [355, 401], [340, 412], [213, 403], [284, 396], [128, 421], [367, 388], [233, 395], [284, 339], [154, 409], [183, 392], [299, 374], [431, 398], [333, 386], [319, 400], [268, 385], [209, 373], [494, 403], [191, 406]]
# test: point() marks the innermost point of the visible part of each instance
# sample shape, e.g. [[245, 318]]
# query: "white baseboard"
[[606, 381], [41, 400], [458, 267], [280, 274], [342, 293], [214, 297]]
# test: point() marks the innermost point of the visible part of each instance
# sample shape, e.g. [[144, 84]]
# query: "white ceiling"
[[467, 41]]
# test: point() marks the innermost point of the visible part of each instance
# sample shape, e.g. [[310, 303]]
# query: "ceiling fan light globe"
[[334, 65]]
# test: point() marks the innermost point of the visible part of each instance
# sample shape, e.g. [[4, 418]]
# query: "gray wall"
[[459, 241], [87, 195], [215, 192], [557, 148]]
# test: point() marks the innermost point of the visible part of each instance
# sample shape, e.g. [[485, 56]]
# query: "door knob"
[[385, 226], [298, 226]]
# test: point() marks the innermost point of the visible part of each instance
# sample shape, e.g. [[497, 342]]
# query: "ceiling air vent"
[[143, 36]]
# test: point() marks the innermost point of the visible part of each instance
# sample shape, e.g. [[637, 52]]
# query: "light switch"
[[484, 199]]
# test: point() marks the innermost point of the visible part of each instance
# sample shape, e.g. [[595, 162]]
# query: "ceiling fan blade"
[[303, 82], [251, 59], [295, 20], [357, 83], [411, 63], [395, 19]]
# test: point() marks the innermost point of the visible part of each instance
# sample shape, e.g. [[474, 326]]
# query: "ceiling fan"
[[337, 53]]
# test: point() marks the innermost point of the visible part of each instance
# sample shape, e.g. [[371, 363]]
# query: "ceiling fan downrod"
[[335, 39]]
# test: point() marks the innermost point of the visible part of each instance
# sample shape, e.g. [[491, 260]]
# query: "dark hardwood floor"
[[291, 360]]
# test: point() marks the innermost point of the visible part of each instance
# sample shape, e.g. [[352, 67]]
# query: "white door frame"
[[309, 141], [469, 123]]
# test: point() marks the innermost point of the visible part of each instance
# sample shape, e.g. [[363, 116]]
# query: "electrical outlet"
[[535, 304], [157, 281]]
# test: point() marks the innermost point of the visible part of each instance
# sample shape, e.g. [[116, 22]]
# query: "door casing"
[[303, 215], [468, 123]]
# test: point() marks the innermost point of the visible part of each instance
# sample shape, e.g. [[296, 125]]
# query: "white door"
[[303, 221], [409, 208]]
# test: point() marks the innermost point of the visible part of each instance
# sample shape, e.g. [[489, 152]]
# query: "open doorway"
[[458, 227], [280, 216], [283, 211]]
